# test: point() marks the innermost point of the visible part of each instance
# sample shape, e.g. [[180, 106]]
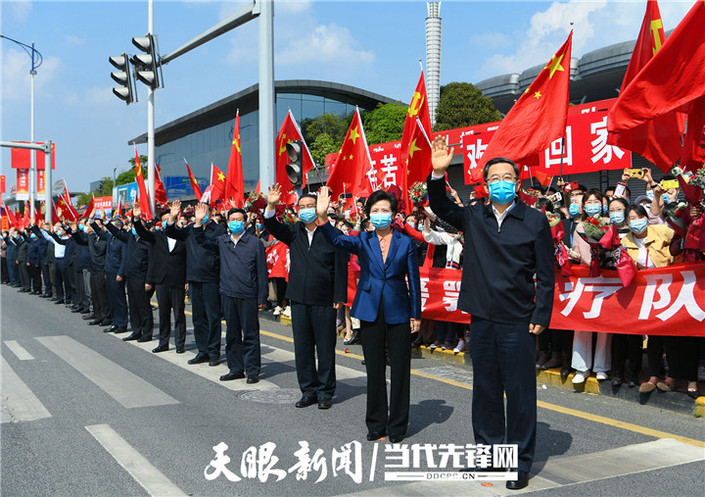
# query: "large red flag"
[[143, 196], [216, 190], [11, 216], [288, 132], [159, 190], [348, 172], [694, 146], [418, 109], [89, 207], [67, 195], [194, 183], [235, 183], [657, 140], [418, 162], [26, 217], [671, 81], [540, 114], [67, 210]]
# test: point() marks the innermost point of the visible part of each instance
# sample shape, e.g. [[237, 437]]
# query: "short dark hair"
[[621, 201], [235, 210], [307, 195], [639, 209], [497, 160], [118, 223], [377, 196], [592, 193], [163, 213]]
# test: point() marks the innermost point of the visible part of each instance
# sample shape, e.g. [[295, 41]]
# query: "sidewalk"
[[672, 401]]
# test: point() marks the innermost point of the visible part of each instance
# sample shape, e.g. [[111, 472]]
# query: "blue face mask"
[[307, 215], [134, 231], [502, 192], [574, 210], [381, 221], [412, 225], [638, 226], [592, 209], [617, 217], [665, 198], [205, 219], [80, 227], [236, 227], [259, 226], [33, 236], [605, 210], [649, 194]]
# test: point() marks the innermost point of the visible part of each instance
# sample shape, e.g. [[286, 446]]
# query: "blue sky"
[[372, 45]]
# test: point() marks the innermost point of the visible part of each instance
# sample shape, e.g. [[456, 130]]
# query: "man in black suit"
[[318, 285], [203, 277], [136, 265], [167, 273], [508, 244], [115, 257]]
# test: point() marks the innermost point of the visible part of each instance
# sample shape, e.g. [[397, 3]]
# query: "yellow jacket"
[[658, 242]]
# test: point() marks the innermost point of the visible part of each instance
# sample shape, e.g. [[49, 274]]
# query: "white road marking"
[[139, 468], [18, 401], [127, 388], [18, 350]]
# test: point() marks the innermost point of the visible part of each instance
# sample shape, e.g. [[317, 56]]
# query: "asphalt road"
[[84, 413]]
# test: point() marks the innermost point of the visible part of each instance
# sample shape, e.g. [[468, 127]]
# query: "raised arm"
[[199, 232], [278, 230], [441, 205], [117, 232], [350, 244]]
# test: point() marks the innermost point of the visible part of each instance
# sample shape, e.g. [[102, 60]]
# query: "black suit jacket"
[[319, 274], [164, 266], [136, 254], [500, 263]]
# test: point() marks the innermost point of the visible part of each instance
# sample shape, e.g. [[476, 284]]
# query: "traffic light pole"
[[266, 93], [150, 123]]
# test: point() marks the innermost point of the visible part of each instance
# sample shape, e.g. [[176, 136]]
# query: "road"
[[84, 413]]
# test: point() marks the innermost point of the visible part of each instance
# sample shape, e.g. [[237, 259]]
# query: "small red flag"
[[348, 173], [143, 196], [216, 190], [543, 178], [288, 132], [540, 114], [194, 183], [159, 190], [89, 207], [235, 184]]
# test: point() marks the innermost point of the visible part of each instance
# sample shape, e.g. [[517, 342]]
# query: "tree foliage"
[[322, 146], [128, 176], [385, 123], [462, 104]]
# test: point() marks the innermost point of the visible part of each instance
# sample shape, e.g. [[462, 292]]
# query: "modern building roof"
[[247, 101]]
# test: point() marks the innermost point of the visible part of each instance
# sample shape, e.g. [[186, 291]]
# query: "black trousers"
[[378, 336], [242, 346], [35, 274], [504, 361], [99, 296], [63, 281], [80, 297], [116, 300], [141, 317], [206, 318], [24, 275], [681, 354], [171, 299], [314, 332], [627, 347], [47, 270], [3, 270]]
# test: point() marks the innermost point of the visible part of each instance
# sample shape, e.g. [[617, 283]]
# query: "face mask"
[[205, 219], [638, 226], [236, 227], [574, 210], [616, 217], [592, 209], [58, 232], [259, 226], [665, 198], [33, 236], [650, 194], [381, 221], [605, 210], [134, 231], [80, 227], [502, 192], [158, 228], [412, 225], [307, 215]]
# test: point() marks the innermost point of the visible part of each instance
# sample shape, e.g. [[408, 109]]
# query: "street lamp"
[[37, 60]]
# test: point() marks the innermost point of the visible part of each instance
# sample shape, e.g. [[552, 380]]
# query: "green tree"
[[321, 146], [332, 125], [83, 199], [385, 123], [462, 104], [128, 176]]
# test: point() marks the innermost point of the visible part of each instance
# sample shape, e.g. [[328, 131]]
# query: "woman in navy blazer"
[[388, 310]]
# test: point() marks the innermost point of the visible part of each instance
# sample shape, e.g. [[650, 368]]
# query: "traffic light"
[[146, 64], [122, 77], [294, 170]]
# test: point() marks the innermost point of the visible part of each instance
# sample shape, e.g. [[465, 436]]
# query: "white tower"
[[433, 57]]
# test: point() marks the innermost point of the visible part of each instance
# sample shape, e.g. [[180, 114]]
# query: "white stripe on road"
[[18, 350], [127, 388], [282, 355], [18, 401], [139, 468]]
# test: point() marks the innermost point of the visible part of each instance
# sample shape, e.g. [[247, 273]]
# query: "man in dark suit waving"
[[318, 285], [508, 244]]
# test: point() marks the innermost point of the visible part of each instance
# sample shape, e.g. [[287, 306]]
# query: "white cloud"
[[75, 40], [331, 44], [15, 75], [18, 11]]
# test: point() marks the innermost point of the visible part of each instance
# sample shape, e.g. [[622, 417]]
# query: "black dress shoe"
[[144, 338], [179, 351], [252, 379], [110, 330], [53, 299], [120, 330], [198, 359], [105, 322], [96, 322], [85, 311], [305, 401], [133, 336], [76, 310], [565, 371], [214, 361], [232, 376], [161, 348], [395, 439], [617, 381], [325, 404], [57, 302], [522, 481], [88, 317], [375, 435]]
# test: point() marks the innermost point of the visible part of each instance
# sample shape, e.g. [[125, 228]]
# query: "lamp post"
[[37, 60]]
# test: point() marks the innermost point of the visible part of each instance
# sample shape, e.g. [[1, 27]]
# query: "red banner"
[[663, 301], [22, 181], [20, 158], [102, 203], [2, 183], [278, 261], [41, 182]]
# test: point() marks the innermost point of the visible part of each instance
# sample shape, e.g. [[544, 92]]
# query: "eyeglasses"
[[507, 177]]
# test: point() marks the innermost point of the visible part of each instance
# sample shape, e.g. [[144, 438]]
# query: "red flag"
[[694, 145], [235, 183], [216, 190], [26, 216], [10, 216], [540, 114], [348, 173], [257, 190], [543, 178], [67, 210], [89, 207], [194, 183], [159, 190], [290, 131], [39, 214], [418, 111], [418, 162], [67, 195], [657, 140], [54, 215], [672, 80], [143, 196]]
